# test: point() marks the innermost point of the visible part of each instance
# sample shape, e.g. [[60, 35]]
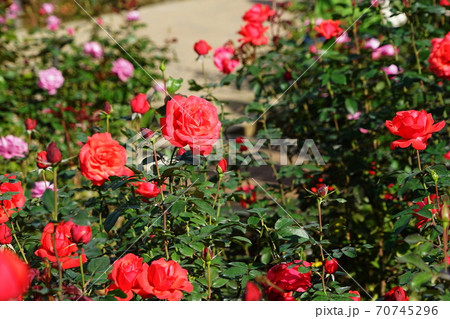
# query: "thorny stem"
[[319, 202], [81, 269], [55, 192]]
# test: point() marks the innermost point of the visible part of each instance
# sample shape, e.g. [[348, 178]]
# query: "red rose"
[[328, 29], [356, 298], [30, 124], [275, 295], [140, 104], [250, 195], [41, 160], [331, 266], [66, 249], [253, 33], [148, 189], [423, 220], [414, 127], [222, 166], [53, 153], [124, 274], [290, 279], [8, 207], [439, 58], [258, 13], [224, 59], [252, 292], [102, 157], [13, 276], [164, 280], [202, 47], [444, 3], [191, 121], [80, 234], [447, 155], [396, 294], [5, 235]]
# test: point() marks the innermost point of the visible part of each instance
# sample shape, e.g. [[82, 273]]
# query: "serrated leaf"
[[415, 260]]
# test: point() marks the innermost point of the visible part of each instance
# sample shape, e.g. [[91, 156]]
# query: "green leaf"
[[235, 272], [415, 260], [204, 206], [296, 231], [351, 105], [282, 222], [111, 219], [48, 198], [338, 78], [100, 264], [420, 279], [414, 239], [173, 85], [242, 239]]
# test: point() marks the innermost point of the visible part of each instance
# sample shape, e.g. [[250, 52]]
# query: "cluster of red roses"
[[253, 31], [161, 279]]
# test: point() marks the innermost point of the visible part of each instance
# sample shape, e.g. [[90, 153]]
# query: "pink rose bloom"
[[47, 8], [12, 146], [363, 130], [100, 21], [39, 189], [93, 49], [385, 50], [392, 70], [53, 23], [372, 44], [12, 11], [223, 59], [51, 80], [319, 21], [159, 87], [354, 116], [343, 38], [133, 16], [123, 69], [71, 31]]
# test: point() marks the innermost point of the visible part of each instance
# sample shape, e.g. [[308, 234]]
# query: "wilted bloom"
[[391, 70], [39, 188], [5, 235], [252, 292], [383, 51], [322, 191], [331, 266], [93, 49], [30, 124], [223, 59], [415, 128], [372, 43], [222, 166], [46, 8], [53, 23], [12, 146], [356, 298], [133, 16], [53, 153], [13, 276], [123, 69], [51, 80], [396, 294], [139, 105], [354, 116], [202, 47]]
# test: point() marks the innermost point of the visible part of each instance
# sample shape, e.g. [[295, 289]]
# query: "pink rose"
[[191, 121], [93, 49], [392, 70], [47, 8], [343, 38], [12, 146], [223, 59], [123, 69], [53, 23], [354, 116], [383, 51], [133, 16], [372, 44], [40, 187], [51, 80]]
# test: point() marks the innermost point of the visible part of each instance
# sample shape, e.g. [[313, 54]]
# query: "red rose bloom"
[[250, 195], [148, 189], [444, 3], [253, 33], [8, 207], [124, 274], [13, 276], [275, 295], [102, 157], [396, 294], [328, 29], [423, 220], [202, 47], [164, 280], [140, 104], [53, 153], [30, 124], [80, 234], [252, 292], [5, 235], [290, 279], [191, 121], [258, 13], [222, 166], [414, 127], [41, 160], [439, 59], [331, 266], [66, 249], [356, 298], [447, 155]]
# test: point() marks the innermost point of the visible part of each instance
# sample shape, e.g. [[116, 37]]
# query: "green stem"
[[418, 160], [58, 263], [81, 270], [107, 122], [22, 252], [55, 192], [416, 53], [208, 267], [319, 202]]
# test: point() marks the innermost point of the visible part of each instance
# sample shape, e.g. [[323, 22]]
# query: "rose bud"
[[81, 234], [41, 160], [5, 235], [108, 108], [139, 105], [323, 191], [30, 124], [146, 133], [252, 292], [207, 254], [202, 47], [396, 294], [181, 151], [53, 153], [222, 166], [356, 298], [331, 266]]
